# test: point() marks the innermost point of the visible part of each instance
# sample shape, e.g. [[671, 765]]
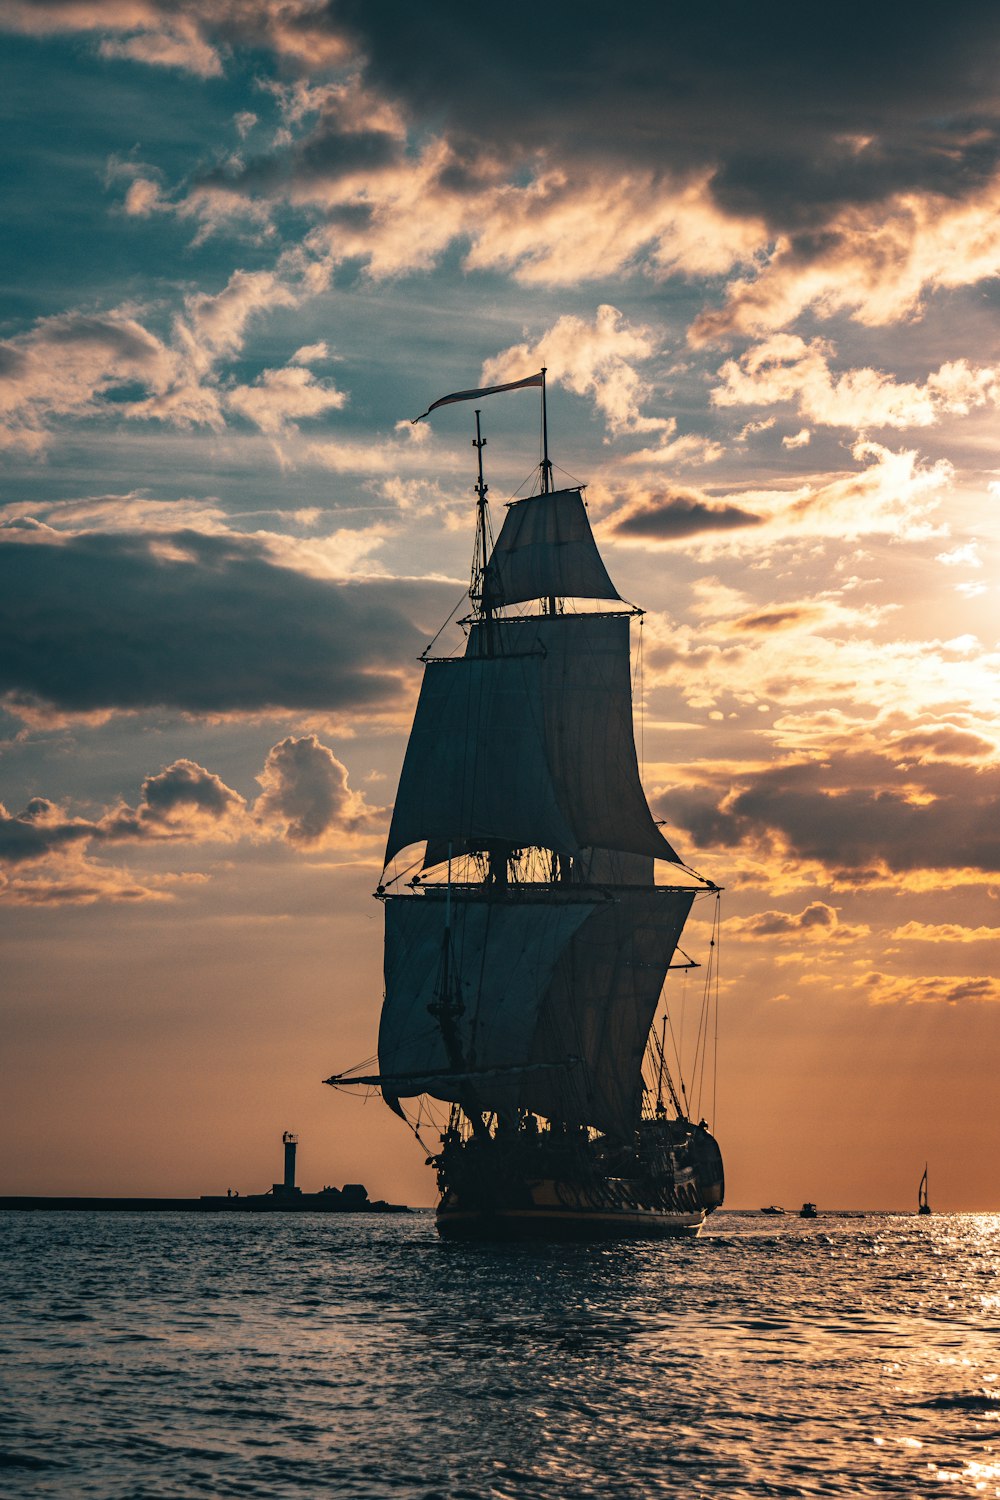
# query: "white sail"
[[499, 962], [586, 694], [546, 548]]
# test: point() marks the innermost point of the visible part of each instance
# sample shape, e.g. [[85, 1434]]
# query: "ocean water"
[[149, 1355]]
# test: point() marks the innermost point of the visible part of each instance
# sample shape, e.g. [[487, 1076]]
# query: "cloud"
[[673, 515], [193, 35], [307, 798], [818, 922], [945, 742], [306, 801], [83, 883], [278, 398], [966, 556], [856, 815], [203, 624], [84, 365], [69, 362], [906, 989], [891, 493], [943, 932], [183, 801], [173, 45], [786, 368], [591, 359], [875, 264], [686, 142]]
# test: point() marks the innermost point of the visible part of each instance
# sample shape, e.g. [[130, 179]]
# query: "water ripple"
[[178, 1356]]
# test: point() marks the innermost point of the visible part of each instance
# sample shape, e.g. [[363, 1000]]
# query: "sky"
[[244, 243]]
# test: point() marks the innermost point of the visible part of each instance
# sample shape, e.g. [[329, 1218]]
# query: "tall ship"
[[527, 936]]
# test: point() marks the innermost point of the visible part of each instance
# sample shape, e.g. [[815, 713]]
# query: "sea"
[[308, 1355]]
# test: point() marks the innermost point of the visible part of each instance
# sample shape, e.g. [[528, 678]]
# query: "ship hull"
[[566, 1224], [518, 1187]]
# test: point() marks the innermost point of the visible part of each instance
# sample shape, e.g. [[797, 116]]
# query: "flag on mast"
[[486, 390]]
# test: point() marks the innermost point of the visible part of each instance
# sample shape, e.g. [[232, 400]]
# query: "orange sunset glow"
[[247, 245]]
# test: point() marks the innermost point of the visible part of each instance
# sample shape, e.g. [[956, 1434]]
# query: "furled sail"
[[546, 548], [586, 697], [500, 959]]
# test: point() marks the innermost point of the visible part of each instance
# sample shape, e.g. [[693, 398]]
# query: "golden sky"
[[247, 242]]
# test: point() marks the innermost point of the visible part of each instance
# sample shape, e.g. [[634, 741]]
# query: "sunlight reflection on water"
[[298, 1356]]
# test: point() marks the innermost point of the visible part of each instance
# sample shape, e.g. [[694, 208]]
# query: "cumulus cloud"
[[818, 923], [786, 368], [183, 801], [306, 796], [306, 801], [279, 398]]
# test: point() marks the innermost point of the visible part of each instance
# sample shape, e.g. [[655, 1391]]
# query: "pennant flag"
[[486, 390]]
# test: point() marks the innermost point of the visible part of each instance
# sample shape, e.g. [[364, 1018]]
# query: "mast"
[[480, 592], [546, 461]]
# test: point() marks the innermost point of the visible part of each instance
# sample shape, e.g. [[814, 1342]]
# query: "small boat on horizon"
[[808, 1211], [923, 1207], [774, 1208]]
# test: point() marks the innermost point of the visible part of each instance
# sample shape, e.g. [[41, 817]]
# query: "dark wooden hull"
[[557, 1187], [566, 1224]]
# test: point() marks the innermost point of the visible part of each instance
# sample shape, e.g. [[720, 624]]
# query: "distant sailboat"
[[923, 1207]]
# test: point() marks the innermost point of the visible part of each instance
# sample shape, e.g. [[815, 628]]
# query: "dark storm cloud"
[[678, 514], [206, 624], [856, 815], [798, 107]]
